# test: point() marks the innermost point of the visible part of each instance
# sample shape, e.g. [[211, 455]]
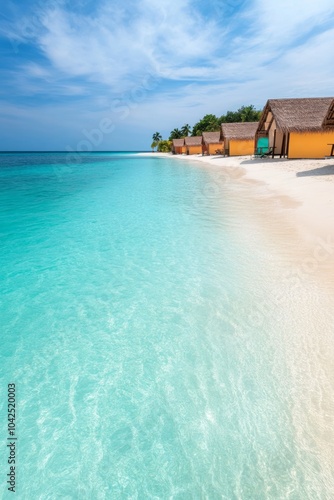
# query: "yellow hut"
[[239, 138], [212, 142], [193, 145], [178, 147], [294, 127]]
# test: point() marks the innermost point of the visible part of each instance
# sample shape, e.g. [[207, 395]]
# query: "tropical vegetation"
[[156, 138], [209, 123], [165, 146]]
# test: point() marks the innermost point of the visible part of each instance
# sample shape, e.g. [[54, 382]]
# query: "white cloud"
[[113, 50], [122, 43], [195, 65], [285, 20]]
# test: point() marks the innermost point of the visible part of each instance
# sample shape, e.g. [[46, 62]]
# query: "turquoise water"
[[127, 291]]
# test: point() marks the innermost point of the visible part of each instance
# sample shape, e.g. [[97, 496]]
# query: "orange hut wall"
[[213, 147], [310, 144], [179, 150], [241, 148], [194, 150]]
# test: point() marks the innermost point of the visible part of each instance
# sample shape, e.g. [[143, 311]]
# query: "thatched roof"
[[193, 141], [177, 143], [297, 115], [329, 118], [241, 131], [211, 137]]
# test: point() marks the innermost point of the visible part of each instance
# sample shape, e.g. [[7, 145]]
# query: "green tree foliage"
[[186, 130], [165, 146], [179, 133], [249, 114], [209, 123], [243, 114], [156, 137], [175, 134]]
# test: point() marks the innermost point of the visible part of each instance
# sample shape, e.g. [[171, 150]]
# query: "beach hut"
[[295, 127], [178, 147], [193, 145], [239, 138], [212, 142]]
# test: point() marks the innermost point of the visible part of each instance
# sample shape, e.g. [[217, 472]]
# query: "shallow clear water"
[[129, 325]]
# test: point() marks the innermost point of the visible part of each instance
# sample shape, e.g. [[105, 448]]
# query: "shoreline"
[[289, 204], [291, 199]]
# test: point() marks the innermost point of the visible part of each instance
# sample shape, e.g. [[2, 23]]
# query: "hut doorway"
[[262, 146]]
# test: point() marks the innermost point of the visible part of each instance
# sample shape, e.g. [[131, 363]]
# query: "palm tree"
[[175, 134], [186, 130], [157, 137]]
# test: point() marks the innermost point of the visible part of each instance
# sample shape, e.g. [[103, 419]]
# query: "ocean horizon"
[[77, 152], [156, 349]]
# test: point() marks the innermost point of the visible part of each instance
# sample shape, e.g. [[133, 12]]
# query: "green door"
[[262, 145]]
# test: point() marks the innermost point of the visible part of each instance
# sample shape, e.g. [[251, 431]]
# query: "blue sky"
[[106, 74]]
